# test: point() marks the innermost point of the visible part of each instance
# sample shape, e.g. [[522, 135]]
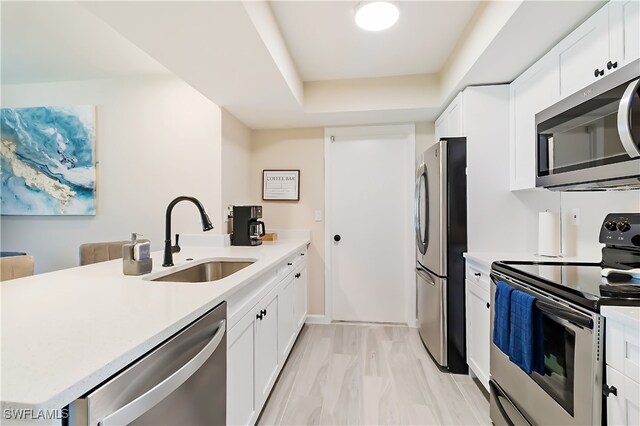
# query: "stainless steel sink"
[[206, 272]]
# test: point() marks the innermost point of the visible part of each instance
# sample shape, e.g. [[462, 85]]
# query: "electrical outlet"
[[317, 215], [575, 216]]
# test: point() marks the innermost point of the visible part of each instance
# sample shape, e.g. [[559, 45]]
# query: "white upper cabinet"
[[451, 123], [584, 53], [536, 89], [604, 43], [624, 32]]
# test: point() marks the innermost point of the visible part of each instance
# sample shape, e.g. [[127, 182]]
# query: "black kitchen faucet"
[[168, 248]]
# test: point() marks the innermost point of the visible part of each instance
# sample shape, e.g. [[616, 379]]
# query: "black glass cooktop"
[[581, 283]]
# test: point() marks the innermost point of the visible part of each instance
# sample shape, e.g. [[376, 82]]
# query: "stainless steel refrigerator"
[[441, 239]]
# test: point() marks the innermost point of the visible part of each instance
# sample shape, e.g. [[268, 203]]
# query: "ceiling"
[[326, 44], [289, 64], [62, 41]]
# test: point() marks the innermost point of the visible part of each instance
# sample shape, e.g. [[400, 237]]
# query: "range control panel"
[[621, 229]]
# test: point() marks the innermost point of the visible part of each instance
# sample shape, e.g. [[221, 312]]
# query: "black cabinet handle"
[[298, 275], [301, 254], [609, 390], [289, 263], [612, 65], [488, 305], [598, 73], [259, 316], [477, 274], [337, 238], [263, 312]]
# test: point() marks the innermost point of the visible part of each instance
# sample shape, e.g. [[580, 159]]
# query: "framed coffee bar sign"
[[283, 185]]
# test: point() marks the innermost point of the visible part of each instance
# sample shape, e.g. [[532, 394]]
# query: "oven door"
[[592, 139], [570, 390]]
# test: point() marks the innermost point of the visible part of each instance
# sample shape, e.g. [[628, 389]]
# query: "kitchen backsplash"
[[582, 239]]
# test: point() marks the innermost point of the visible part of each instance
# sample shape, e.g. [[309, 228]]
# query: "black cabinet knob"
[[477, 274], [609, 390], [337, 238], [598, 73], [298, 275], [263, 312], [259, 316], [612, 65], [289, 263], [488, 305]]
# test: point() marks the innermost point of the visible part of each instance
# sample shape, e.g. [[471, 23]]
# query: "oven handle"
[[499, 393], [566, 314], [552, 308], [624, 119]]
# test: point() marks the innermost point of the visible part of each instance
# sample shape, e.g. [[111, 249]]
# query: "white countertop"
[[627, 315], [487, 258], [65, 332]]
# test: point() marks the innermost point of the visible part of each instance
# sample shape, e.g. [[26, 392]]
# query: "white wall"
[[301, 149], [236, 164], [157, 138]]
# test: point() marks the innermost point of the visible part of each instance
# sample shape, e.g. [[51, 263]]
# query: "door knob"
[[336, 238], [609, 390]]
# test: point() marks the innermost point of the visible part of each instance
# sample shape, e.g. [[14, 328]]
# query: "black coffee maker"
[[247, 229]]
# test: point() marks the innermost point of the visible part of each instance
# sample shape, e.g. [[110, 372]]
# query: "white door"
[[369, 173]]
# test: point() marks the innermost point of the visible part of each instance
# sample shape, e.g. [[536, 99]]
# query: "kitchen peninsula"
[[65, 332]]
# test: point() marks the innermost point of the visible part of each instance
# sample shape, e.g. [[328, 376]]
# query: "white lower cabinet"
[[300, 296], [478, 322], [266, 345], [286, 318], [241, 403], [622, 356], [623, 408], [259, 343]]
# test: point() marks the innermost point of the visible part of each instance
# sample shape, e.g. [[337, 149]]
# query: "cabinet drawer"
[[623, 348], [478, 275], [292, 263]]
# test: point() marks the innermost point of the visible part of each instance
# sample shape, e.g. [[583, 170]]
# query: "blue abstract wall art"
[[47, 161]]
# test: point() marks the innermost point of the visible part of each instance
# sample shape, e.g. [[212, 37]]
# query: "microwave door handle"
[[155, 395], [578, 319], [624, 120]]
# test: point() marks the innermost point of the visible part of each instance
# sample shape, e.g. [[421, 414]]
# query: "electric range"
[[584, 283], [569, 297]]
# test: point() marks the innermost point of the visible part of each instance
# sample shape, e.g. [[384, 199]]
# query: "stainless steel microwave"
[[591, 139]]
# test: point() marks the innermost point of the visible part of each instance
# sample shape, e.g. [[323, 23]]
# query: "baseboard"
[[316, 319]]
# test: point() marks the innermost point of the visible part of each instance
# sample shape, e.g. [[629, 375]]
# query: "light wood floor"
[[368, 375]]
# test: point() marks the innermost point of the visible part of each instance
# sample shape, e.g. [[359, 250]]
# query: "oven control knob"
[[611, 226], [623, 226]]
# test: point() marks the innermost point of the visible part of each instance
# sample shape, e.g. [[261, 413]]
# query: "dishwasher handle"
[[155, 395]]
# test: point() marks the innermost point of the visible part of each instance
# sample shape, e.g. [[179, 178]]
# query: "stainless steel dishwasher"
[[181, 382]]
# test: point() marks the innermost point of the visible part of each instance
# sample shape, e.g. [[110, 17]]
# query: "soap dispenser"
[[136, 256]]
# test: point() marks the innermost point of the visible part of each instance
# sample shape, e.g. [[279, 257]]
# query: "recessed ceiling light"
[[376, 15]]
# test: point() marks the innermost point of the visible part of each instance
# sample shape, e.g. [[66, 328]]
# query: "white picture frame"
[[281, 185]]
